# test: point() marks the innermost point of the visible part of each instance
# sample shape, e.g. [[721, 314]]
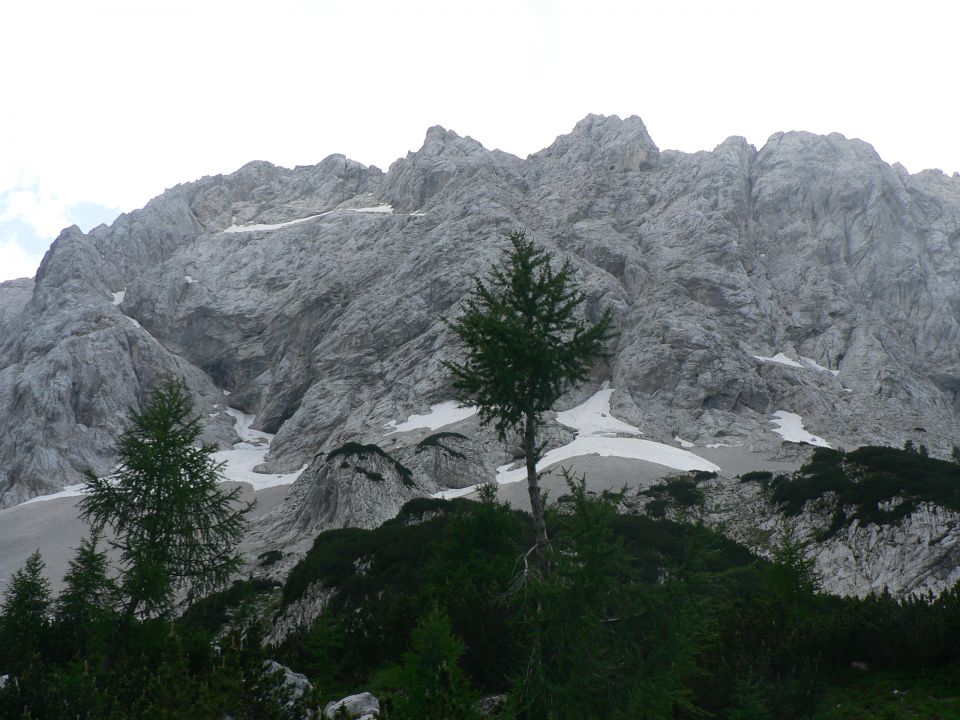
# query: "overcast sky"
[[106, 104]]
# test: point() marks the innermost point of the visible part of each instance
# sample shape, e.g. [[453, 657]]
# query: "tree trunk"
[[536, 502]]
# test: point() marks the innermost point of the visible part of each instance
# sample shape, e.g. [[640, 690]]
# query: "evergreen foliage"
[[525, 346], [598, 634], [87, 606], [174, 526], [640, 618], [679, 492], [362, 451], [429, 683], [437, 440], [759, 476], [884, 484], [24, 617]]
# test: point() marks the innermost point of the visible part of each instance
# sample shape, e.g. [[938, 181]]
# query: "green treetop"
[[525, 346], [176, 529]]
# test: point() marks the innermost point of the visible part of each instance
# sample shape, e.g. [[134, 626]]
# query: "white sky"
[[106, 104]]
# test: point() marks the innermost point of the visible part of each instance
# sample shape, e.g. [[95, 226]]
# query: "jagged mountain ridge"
[[329, 327]]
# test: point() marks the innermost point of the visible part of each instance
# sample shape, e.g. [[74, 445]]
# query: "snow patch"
[[135, 323], [190, 280], [805, 362], [810, 362], [250, 452], [445, 413], [593, 418], [386, 209], [780, 359], [240, 461], [595, 436], [630, 448], [683, 443], [790, 428], [268, 227], [119, 296], [70, 491]]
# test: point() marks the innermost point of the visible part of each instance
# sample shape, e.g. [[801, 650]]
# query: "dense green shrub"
[[437, 440], [757, 476], [882, 484], [360, 452], [639, 618], [211, 612]]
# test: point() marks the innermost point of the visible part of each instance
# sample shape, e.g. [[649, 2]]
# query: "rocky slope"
[[314, 295], [916, 556]]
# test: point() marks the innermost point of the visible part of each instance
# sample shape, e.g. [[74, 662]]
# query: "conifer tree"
[[87, 605], [431, 682], [175, 528], [525, 346], [24, 615]]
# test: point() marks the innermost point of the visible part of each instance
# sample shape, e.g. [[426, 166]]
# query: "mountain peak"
[[623, 145]]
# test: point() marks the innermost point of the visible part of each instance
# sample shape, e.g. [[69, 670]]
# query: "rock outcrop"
[[361, 706], [917, 555]]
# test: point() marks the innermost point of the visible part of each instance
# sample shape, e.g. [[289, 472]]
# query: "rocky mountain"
[[807, 277]]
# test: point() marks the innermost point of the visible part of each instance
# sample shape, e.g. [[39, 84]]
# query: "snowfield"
[[780, 359], [270, 227], [790, 428], [248, 453], [593, 417], [263, 227], [445, 413], [240, 461], [805, 363], [68, 492], [810, 362], [597, 434]]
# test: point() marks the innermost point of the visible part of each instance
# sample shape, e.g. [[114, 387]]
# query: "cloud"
[[44, 212], [29, 221], [15, 262]]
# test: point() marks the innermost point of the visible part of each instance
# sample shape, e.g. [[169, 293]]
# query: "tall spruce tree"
[[24, 616], [525, 347], [176, 529], [86, 608]]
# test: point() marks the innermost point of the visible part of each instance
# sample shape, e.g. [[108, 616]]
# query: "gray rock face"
[[362, 706], [14, 296], [299, 614], [340, 491], [918, 555], [318, 308], [296, 683]]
